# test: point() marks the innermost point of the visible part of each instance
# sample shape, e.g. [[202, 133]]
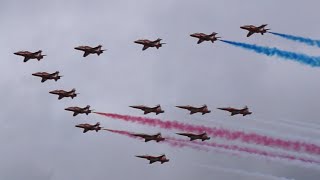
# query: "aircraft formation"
[[87, 50]]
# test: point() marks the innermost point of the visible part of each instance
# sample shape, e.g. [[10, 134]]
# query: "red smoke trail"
[[186, 143], [172, 143], [221, 133], [247, 150]]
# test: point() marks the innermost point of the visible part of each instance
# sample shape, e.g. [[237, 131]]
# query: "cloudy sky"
[[38, 138]]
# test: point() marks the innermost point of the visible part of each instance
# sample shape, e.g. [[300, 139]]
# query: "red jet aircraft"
[[78, 110], [154, 159], [253, 29], [157, 109], [147, 137], [244, 111], [192, 109], [192, 137], [90, 50], [45, 76], [148, 43], [30, 55], [89, 127], [205, 37], [63, 93]]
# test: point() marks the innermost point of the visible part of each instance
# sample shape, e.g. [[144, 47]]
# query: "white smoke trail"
[[243, 173]]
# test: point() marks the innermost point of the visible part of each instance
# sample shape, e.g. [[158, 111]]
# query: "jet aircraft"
[[90, 50], [192, 137], [89, 127], [157, 109], [153, 159], [156, 137], [148, 43], [253, 29], [205, 37], [46, 76], [78, 110], [203, 109], [244, 111], [62, 93], [30, 55]]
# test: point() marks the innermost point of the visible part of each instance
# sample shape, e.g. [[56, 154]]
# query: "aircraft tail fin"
[[263, 25]]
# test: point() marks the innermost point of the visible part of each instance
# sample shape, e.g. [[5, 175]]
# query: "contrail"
[[308, 41], [221, 133], [301, 58], [175, 142]]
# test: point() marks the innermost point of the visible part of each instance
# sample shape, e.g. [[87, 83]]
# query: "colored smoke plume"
[[248, 150], [302, 58], [175, 142], [222, 133], [308, 41]]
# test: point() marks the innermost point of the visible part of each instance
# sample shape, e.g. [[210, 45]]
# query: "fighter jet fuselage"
[[152, 159], [78, 110], [89, 127], [157, 109], [47, 76], [62, 93], [244, 111], [30, 55], [148, 43], [203, 110], [253, 29], [205, 37], [90, 50], [193, 137], [146, 137]]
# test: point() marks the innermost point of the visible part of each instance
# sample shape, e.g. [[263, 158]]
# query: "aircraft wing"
[[262, 26], [185, 134], [250, 33], [86, 54], [26, 59], [139, 135], [200, 41], [43, 80], [145, 47], [184, 107], [144, 157]]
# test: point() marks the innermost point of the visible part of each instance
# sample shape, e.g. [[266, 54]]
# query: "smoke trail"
[[195, 145], [302, 58], [247, 150], [169, 142], [244, 173], [308, 41], [222, 133]]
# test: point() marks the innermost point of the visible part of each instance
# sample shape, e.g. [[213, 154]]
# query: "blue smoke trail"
[[302, 58], [304, 40]]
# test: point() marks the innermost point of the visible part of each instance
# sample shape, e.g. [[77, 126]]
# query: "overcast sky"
[[38, 138]]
